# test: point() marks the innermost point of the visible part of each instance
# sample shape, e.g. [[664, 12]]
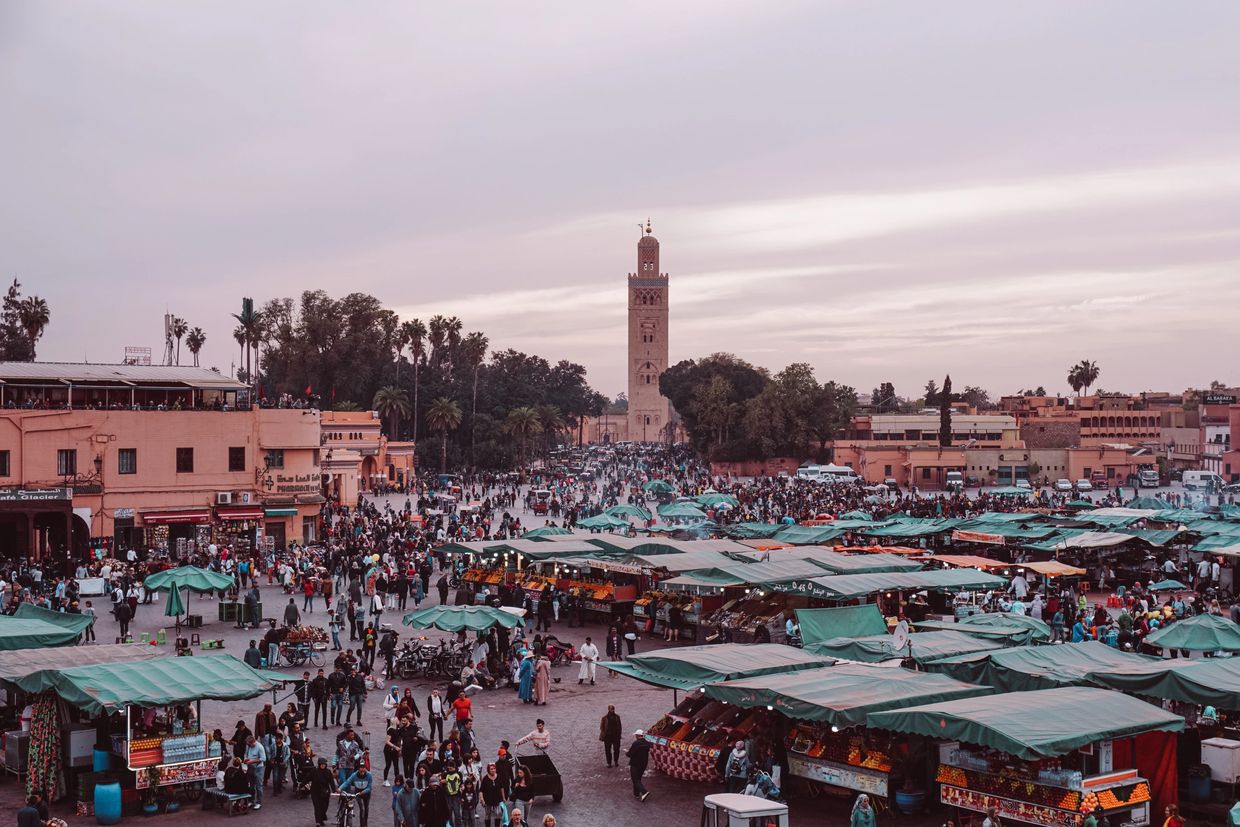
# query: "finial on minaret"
[[648, 230]]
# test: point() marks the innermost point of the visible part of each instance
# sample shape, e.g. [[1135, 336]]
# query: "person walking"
[[405, 803], [318, 699], [639, 758], [542, 680], [436, 712], [609, 733], [862, 813], [255, 758], [337, 687], [322, 784], [357, 694], [736, 771], [589, 662], [433, 808], [362, 783], [292, 616]]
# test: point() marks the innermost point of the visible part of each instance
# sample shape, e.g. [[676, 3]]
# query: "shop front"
[[35, 523], [172, 531], [237, 527]]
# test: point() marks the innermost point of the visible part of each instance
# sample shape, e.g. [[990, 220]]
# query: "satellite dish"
[[900, 635]]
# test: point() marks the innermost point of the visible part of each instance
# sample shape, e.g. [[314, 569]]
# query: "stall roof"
[[912, 528], [1053, 568], [1013, 628], [819, 625], [19, 663], [1203, 633], [28, 633], [847, 586], [686, 561], [109, 687], [971, 561], [923, 646], [1026, 668], [693, 666], [844, 694], [1032, 725], [1207, 682], [75, 623], [807, 535], [837, 563]]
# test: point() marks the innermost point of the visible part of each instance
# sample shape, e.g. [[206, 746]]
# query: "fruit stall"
[[1048, 756], [693, 607], [685, 743], [740, 616]]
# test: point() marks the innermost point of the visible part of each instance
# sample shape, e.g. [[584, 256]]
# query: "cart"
[[544, 777]]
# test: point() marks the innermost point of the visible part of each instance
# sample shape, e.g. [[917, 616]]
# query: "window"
[[127, 461], [4, 463], [236, 458], [886, 470], [925, 473], [66, 462], [275, 458], [185, 460]]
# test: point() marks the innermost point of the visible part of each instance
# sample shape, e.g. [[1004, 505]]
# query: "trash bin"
[[108, 803], [1199, 783], [100, 760]]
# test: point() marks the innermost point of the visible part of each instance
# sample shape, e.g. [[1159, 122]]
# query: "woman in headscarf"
[[862, 812], [525, 678], [542, 679]]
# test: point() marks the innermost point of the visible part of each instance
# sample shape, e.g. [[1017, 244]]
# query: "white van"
[[809, 472], [954, 481], [736, 810], [833, 473], [1194, 480]]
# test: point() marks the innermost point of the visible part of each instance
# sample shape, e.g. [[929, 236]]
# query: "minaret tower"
[[649, 411]]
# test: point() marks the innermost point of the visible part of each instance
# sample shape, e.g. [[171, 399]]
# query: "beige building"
[[650, 413], [358, 457]]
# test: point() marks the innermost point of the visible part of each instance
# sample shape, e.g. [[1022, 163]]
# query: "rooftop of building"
[[88, 373]]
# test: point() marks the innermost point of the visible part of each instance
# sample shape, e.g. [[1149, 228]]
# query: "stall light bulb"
[[770, 708], [702, 690], [834, 728]]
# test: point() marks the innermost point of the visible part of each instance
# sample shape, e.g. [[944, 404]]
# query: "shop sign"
[[1220, 399], [1008, 808], [838, 775], [122, 513], [178, 773], [978, 537], [34, 495], [293, 483]]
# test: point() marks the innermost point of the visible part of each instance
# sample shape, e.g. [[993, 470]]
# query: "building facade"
[[358, 457], [649, 416]]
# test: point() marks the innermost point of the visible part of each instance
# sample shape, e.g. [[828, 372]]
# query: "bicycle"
[[296, 654]]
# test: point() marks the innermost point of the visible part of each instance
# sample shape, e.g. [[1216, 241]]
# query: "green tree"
[[883, 398], [35, 316], [179, 328], [931, 399], [834, 407], [945, 413], [250, 323], [523, 424], [550, 425], [473, 350], [14, 341], [392, 405], [1083, 375], [194, 341], [443, 416], [415, 336], [976, 397]]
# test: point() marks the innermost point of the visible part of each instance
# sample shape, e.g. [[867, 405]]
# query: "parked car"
[[891, 484], [1024, 484], [1084, 486], [1098, 479], [1063, 485]]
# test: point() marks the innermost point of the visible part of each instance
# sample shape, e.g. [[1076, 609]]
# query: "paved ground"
[[593, 794]]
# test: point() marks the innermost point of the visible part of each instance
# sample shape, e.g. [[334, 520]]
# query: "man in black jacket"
[[609, 730], [639, 758], [318, 698], [337, 686]]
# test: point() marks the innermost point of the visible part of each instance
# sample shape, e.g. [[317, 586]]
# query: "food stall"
[[685, 743], [146, 711], [1048, 756], [826, 709], [693, 607]]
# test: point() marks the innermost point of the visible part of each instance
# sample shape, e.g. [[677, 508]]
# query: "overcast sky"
[[887, 191]]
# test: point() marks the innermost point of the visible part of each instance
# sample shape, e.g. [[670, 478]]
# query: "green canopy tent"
[[681, 511], [842, 695], [922, 647], [714, 499], [1157, 503], [175, 606], [1032, 725], [820, 625], [75, 623], [658, 487], [1167, 586], [856, 515], [1077, 505], [603, 522], [752, 531], [852, 586], [625, 510], [1013, 628], [1203, 633], [1025, 668], [104, 688], [456, 618], [28, 633], [546, 531], [807, 535], [188, 577], [692, 666], [21, 663], [1207, 682]]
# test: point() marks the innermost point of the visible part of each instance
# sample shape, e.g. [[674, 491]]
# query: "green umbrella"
[[1167, 586], [545, 531], [175, 605], [659, 487], [606, 522], [1203, 633], [709, 500], [623, 511], [188, 577], [456, 618]]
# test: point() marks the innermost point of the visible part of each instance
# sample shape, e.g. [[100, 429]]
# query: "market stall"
[[1046, 757], [1005, 626], [685, 743], [921, 648], [827, 741], [1203, 633], [31, 633], [821, 625], [457, 618], [1023, 668]]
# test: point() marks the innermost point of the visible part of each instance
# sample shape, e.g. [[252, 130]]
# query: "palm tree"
[[442, 416], [437, 338], [34, 315], [552, 422], [522, 424], [473, 354], [414, 333], [250, 323], [392, 403], [239, 338], [179, 329], [194, 341], [452, 330], [1088, 374]]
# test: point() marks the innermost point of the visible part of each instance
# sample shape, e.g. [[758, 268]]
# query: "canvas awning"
[[1208, 682], [848, 586], [75, 623], [1203, 633], [188, 577], [103, 688], [922, 647], [1053, 568], [834, 562], [456, 618], [1006, 626], [971, 561], [25, 662], [842, 695], [1032, 725], [819, 625], [180, 515], [1025, 668], [692, 666], [28, 633]]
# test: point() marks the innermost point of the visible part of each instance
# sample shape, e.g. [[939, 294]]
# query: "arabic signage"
[[293, 483], [977, 537], [1220, 399], [178, 773], [34, 495], [838, 775]]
